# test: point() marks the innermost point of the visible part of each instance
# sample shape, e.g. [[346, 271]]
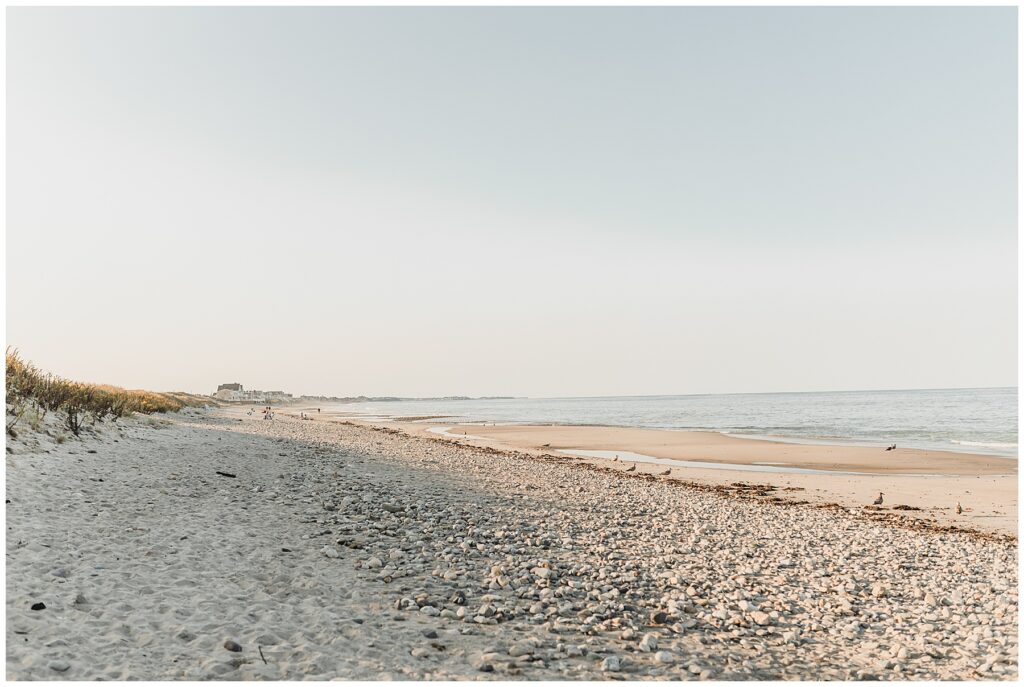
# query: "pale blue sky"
[[529, 201]]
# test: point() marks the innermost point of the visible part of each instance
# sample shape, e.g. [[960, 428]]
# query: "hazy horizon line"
[[726, 393]]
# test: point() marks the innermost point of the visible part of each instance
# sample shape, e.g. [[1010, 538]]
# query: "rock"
[[649, 643], [330, 552], [694, 669], [520, 649], [659, 617], [430, 611], [232, 645], [59, 666], [610, 664], [373, 563], [664, 657], [393, 508], [430, 634], [878, 591], [484, 662], [761, 618], [419, 652], [59, 572], [38, 606]]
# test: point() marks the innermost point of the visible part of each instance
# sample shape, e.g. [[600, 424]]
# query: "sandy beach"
[[333, 550], [926, 485]]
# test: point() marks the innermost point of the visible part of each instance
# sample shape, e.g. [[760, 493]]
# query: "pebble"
[[232, 645], [59, 666], [665, 657], [610, 664], [520, 649]]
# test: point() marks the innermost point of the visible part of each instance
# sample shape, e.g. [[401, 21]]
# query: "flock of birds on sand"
[[877, 502]]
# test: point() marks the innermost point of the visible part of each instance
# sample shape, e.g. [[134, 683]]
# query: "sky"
[[514, 201]]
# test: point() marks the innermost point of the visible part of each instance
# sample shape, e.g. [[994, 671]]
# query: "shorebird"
[[959, 509], [545, 445], [631, 468], [667, 472], [878, 501], [615, 459]]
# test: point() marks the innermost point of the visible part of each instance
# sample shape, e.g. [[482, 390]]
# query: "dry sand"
[[341, 551]]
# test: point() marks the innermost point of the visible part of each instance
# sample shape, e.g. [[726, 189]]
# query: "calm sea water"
[[969, 420]]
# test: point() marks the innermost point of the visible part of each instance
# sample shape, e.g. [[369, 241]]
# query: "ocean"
[[965, 420]]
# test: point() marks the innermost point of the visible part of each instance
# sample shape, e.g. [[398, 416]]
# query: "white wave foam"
[[986, 444]]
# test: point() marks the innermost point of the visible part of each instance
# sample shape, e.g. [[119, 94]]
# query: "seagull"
[[959, 509], [667, 472], [878, 501], [631, 468]]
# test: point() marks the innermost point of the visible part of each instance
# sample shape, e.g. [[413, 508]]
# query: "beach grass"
[[34, 393]]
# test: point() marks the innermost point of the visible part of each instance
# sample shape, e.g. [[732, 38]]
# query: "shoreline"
[[955, 444], [925, 485], [970, 449]]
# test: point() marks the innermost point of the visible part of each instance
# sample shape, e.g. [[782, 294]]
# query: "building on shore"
[[235, 392]]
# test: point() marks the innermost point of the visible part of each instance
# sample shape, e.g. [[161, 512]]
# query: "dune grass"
[[79, 404]]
